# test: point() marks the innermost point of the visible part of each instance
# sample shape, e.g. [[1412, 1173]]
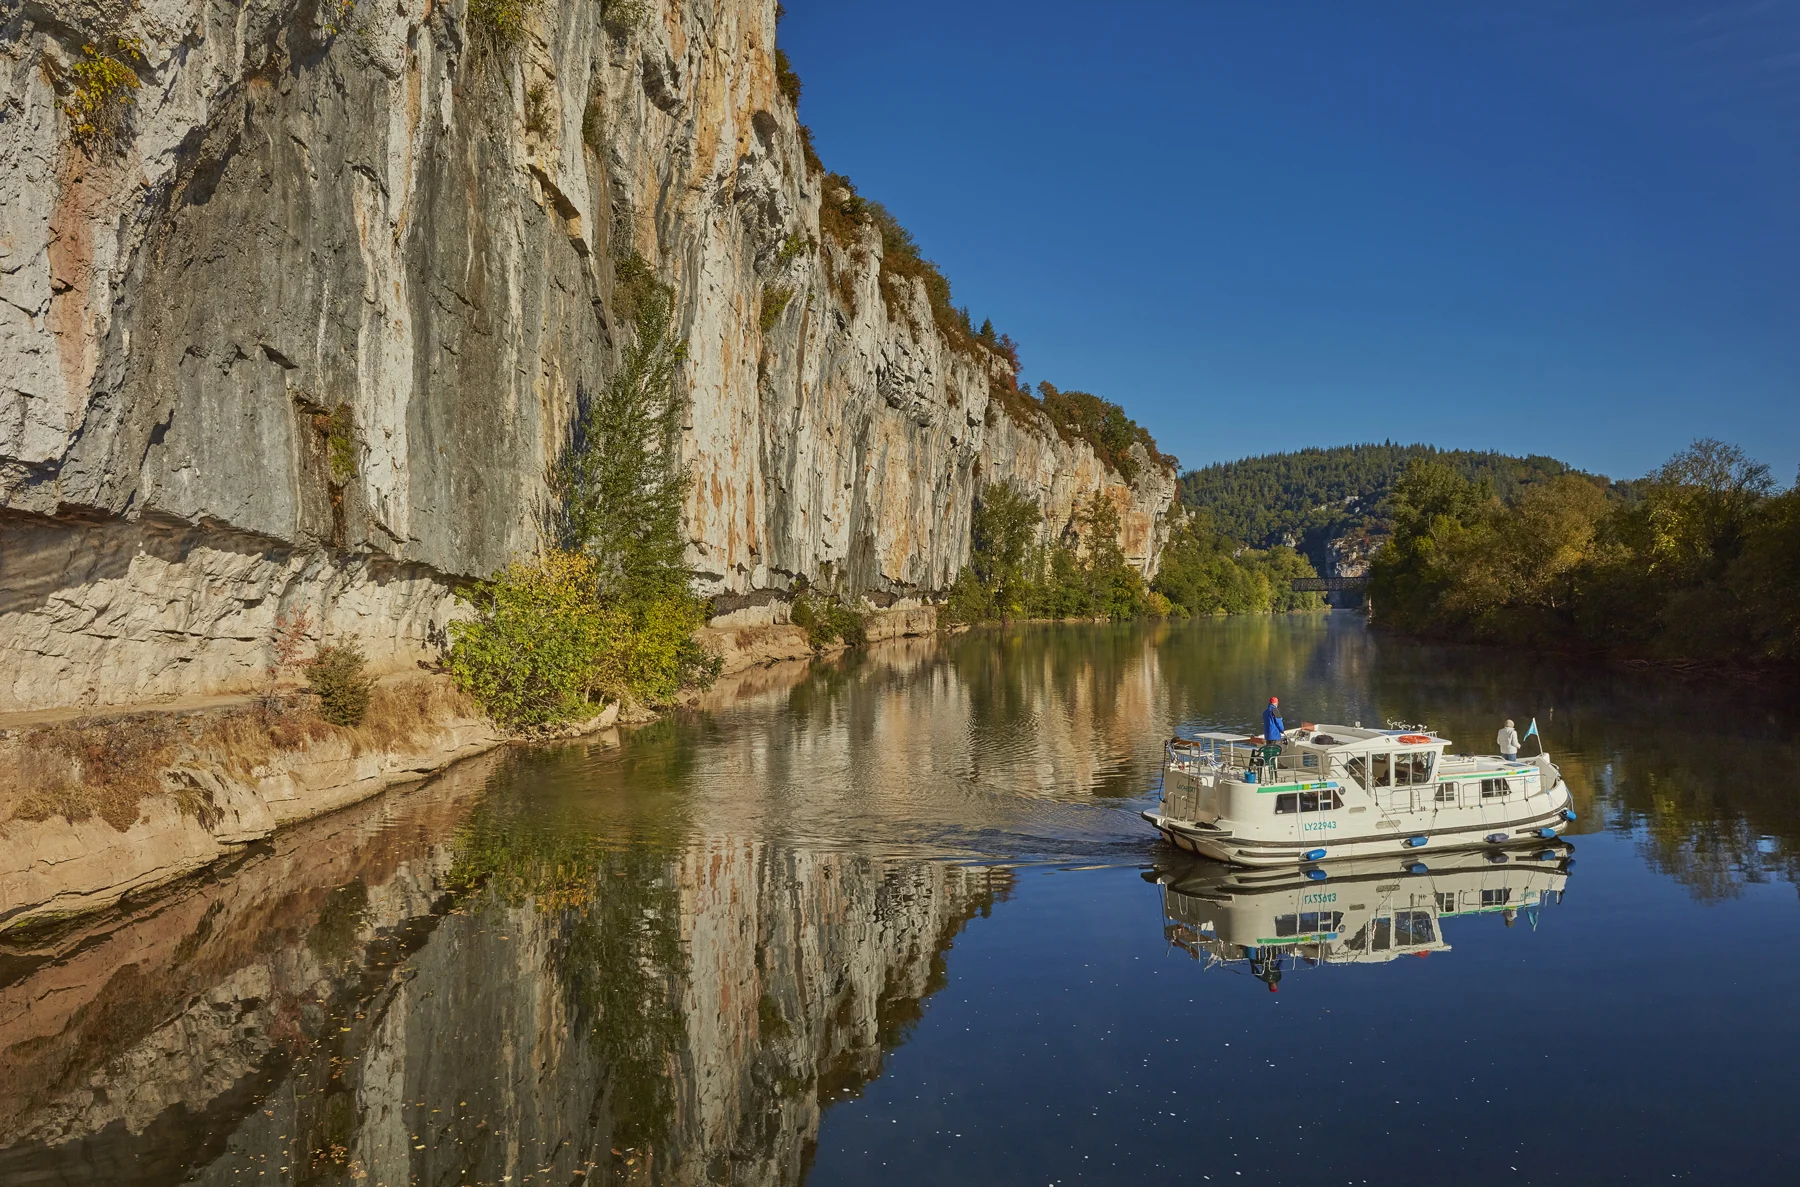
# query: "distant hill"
[[1314, 498]]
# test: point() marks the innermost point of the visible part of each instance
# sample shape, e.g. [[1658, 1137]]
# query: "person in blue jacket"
[[1273, 730]]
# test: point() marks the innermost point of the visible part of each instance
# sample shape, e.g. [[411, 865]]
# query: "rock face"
[[307, 331]]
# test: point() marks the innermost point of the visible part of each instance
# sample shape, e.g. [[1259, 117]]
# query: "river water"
[[896, 920]]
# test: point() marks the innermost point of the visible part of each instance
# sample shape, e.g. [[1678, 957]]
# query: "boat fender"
[[1417, 867], [1549, 855], [1568, 814], [1548, 832], [1416, 842], [1315, 875], [1497, 838], [1498, 859], [1315, 855]]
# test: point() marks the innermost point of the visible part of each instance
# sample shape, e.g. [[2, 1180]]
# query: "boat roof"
[[1355, 737], [1213, 736]]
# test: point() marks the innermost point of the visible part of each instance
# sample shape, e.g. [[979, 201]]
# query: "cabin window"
[[1421, 767], [1309, 760], [1494, 789], [1384, 776], [1496, 898], [1286, 803], [1384, 935], [1319, 801], [1446, 901], [1412, 928], [1307, 923], [1446, 793]]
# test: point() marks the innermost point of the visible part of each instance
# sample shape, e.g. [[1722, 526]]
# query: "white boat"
[[1367, 911], [1331, 792]]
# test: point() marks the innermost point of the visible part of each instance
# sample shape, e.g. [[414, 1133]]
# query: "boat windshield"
[[1412, 768]]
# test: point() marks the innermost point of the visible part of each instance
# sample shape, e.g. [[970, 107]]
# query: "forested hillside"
[[1314, 496]]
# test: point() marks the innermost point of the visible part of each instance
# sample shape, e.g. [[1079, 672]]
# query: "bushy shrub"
[[786, 80], [774, 301], [502, 22], [106, 82], [336, 676], [827, 620], [537, 649]]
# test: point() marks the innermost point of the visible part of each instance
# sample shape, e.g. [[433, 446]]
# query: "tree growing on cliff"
[[619, 484], [609, 611], [1002, 531]]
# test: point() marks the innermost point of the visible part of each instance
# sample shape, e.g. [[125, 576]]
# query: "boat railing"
[[1182, 801]]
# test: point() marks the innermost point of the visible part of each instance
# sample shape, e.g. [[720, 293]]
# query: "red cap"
[[1273, 987], [1274, 700]]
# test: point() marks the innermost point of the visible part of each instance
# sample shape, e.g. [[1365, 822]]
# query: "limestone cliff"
[[303, 322]]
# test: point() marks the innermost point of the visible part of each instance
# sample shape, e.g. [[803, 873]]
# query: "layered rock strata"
[[56, 869], [304, 328]]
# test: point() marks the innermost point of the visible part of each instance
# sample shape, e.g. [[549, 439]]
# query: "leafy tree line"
[[1314, 496], [607, 611], [1204, 572], [1083, 574], [1696, 562]]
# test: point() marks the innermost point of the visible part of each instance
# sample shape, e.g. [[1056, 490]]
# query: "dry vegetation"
[[106, 768]]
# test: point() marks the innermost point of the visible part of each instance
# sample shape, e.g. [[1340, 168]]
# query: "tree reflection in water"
[[683, 949]]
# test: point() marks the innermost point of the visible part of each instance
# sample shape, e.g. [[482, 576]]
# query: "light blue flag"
[[1532, 729]]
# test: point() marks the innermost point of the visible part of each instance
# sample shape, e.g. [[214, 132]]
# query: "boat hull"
[[1222, 845]]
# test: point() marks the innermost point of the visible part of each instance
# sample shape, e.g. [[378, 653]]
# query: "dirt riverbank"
[[96, 811]]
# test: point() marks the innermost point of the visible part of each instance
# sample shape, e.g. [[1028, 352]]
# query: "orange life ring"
[[1413, 739]]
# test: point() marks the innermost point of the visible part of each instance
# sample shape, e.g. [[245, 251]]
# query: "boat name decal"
[[1318, 826]]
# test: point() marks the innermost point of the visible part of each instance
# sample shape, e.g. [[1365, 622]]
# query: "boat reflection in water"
[[1354, 912]]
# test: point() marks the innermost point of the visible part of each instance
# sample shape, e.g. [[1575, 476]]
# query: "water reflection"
[[1271, 922], [462, 995], [663, 958]]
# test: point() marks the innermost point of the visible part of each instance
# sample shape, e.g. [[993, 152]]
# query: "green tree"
[[1694, 563], [538, 645], [609, 612], [1003, 530], [619, 483]]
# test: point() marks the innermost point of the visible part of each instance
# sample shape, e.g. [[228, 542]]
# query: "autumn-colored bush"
[[105, 91]]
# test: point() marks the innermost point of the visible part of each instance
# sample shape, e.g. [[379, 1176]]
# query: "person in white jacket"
[[1508, 741]]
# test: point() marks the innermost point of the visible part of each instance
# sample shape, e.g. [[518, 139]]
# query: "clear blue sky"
[[1530, 225]]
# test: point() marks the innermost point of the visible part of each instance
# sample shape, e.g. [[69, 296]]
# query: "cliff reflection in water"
[[439, 993], [683, 947]]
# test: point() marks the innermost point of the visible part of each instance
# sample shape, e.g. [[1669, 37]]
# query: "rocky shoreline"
[[56, 871]]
